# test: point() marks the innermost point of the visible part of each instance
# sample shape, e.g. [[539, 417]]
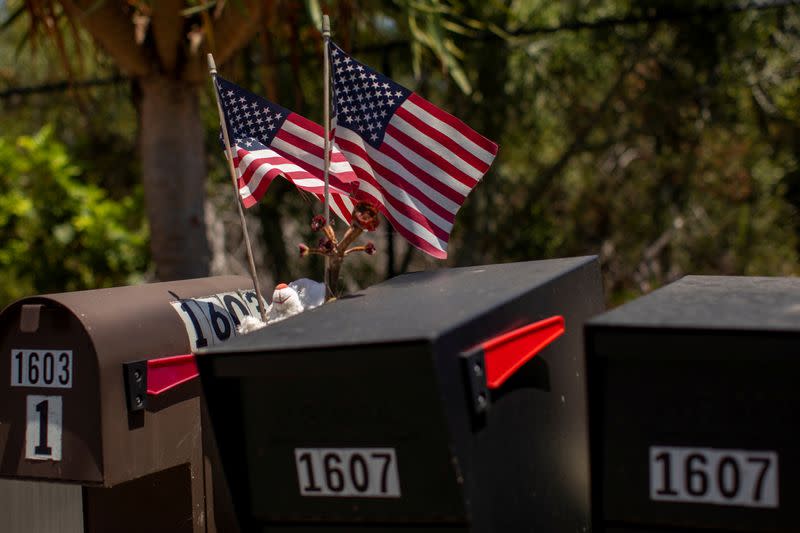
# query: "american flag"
[[268, 140], [413, 160]]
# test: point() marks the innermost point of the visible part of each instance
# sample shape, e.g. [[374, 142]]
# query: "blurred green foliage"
[[58, 231], [662, 136], [666, 141]]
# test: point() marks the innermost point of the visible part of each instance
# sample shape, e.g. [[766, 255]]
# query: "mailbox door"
[[694, 429], [341, 436], [49, 405]]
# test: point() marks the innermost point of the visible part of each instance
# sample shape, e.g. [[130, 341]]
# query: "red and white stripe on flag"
[[297, 153], [421, 173]]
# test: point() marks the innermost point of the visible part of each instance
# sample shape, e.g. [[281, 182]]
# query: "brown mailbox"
[[84, 406]]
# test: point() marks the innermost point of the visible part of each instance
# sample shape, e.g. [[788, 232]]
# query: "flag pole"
[[326, 37], [212, 69]]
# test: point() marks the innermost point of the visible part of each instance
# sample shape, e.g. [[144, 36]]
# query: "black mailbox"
[[694, 408], [417, 403]]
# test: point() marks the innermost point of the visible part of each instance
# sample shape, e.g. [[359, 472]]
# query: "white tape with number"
[[251, 300], [43, 429], [213, 319], [222, 325], [236, 306], [197, 326]]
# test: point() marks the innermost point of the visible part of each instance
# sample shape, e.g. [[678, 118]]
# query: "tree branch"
[[582, 133], [668, 13], [167, 27], [111, 27], [235, 27]]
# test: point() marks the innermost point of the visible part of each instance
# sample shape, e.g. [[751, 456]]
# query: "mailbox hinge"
[[135, 375], [474, 365], [155, 376]]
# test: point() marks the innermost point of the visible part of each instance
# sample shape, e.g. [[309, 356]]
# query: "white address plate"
[[41, 368], [44, 428], [744, 478], [347, 472]]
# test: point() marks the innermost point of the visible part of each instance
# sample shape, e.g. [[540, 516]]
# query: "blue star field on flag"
[[251, 120], [268, 141], [365, 100], [415, 162]]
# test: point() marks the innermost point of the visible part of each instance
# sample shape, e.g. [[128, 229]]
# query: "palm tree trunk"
[[174, 173]]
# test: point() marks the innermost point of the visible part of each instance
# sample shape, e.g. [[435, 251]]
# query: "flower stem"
[[332, 280], [352, 234]]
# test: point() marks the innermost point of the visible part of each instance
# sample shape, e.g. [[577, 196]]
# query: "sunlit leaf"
[[92, 8], [314, 10], [12, 17], [458, 28], [202, 8]]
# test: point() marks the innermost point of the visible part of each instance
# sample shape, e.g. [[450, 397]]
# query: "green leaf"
[[58, 231], [94, 7], [64, 233], [189, 11], [314, 9], [12, 17]]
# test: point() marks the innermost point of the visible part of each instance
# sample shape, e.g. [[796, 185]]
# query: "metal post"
[[326, 37], [212, 68]]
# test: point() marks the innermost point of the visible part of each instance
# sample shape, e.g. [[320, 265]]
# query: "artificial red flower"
[[317, 223], [365, 216], [326, 245]]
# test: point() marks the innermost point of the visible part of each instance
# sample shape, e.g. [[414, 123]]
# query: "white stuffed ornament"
[[292, 299], [288, 300], [285, 303]]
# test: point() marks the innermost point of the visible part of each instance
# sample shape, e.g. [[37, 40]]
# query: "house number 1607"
[[714, 475]]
